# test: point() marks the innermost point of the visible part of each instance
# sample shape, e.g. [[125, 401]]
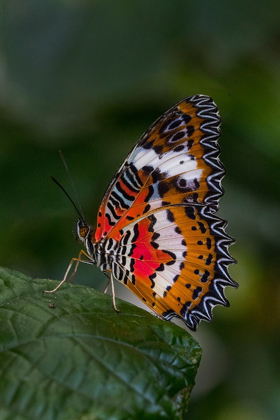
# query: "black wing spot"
[[209, 259], [186, 185], [175, 124], [151, 277], [190, 212], [202, 227], [179, 148], [148, 169], [190, 144], [148, 145], [150, 193], [132, 263], [196, 292], [177, 137], [157, 175], [167, 290], [186, 118], [153, 221], [132, 248], [165, 126], [205, 276], [147, 208], [208, 243], [155, 236], [158, 149], [163, 187], [178, 230], [136, 233], [190, 130], [170, 216], [160, 267]]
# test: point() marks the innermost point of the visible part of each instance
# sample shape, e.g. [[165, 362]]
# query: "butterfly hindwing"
[[175, 260], [174, 162]]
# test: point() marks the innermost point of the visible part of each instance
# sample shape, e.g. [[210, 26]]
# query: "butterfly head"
[[83, 231]]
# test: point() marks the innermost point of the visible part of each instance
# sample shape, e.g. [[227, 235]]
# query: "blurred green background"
[[88, 77]]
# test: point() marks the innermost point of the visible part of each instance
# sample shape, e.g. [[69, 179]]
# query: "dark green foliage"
[[71, 356]]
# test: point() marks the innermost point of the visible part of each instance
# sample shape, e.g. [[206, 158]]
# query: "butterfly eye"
[[83, 231]]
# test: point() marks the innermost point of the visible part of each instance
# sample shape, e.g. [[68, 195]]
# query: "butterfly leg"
[[78, 261], [107, 286], [113, 293]]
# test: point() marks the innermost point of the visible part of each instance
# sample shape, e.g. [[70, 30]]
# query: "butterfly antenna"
[[73, 185], [68, 196]]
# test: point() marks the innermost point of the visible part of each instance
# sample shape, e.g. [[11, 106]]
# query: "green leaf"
[[69, 355]]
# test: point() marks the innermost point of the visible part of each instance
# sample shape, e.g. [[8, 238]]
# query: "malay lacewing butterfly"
[[157, 231]]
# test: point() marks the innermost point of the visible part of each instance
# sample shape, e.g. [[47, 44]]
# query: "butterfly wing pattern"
[[158, 218]]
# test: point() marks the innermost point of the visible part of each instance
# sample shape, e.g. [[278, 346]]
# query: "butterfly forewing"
[[174, 162], [172, 250]]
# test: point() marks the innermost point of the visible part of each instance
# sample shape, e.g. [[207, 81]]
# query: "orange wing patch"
[[176, 261]]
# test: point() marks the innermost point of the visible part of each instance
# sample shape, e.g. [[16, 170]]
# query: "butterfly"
[[157, 231]]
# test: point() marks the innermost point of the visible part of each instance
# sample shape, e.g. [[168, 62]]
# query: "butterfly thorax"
[[102, 253]]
